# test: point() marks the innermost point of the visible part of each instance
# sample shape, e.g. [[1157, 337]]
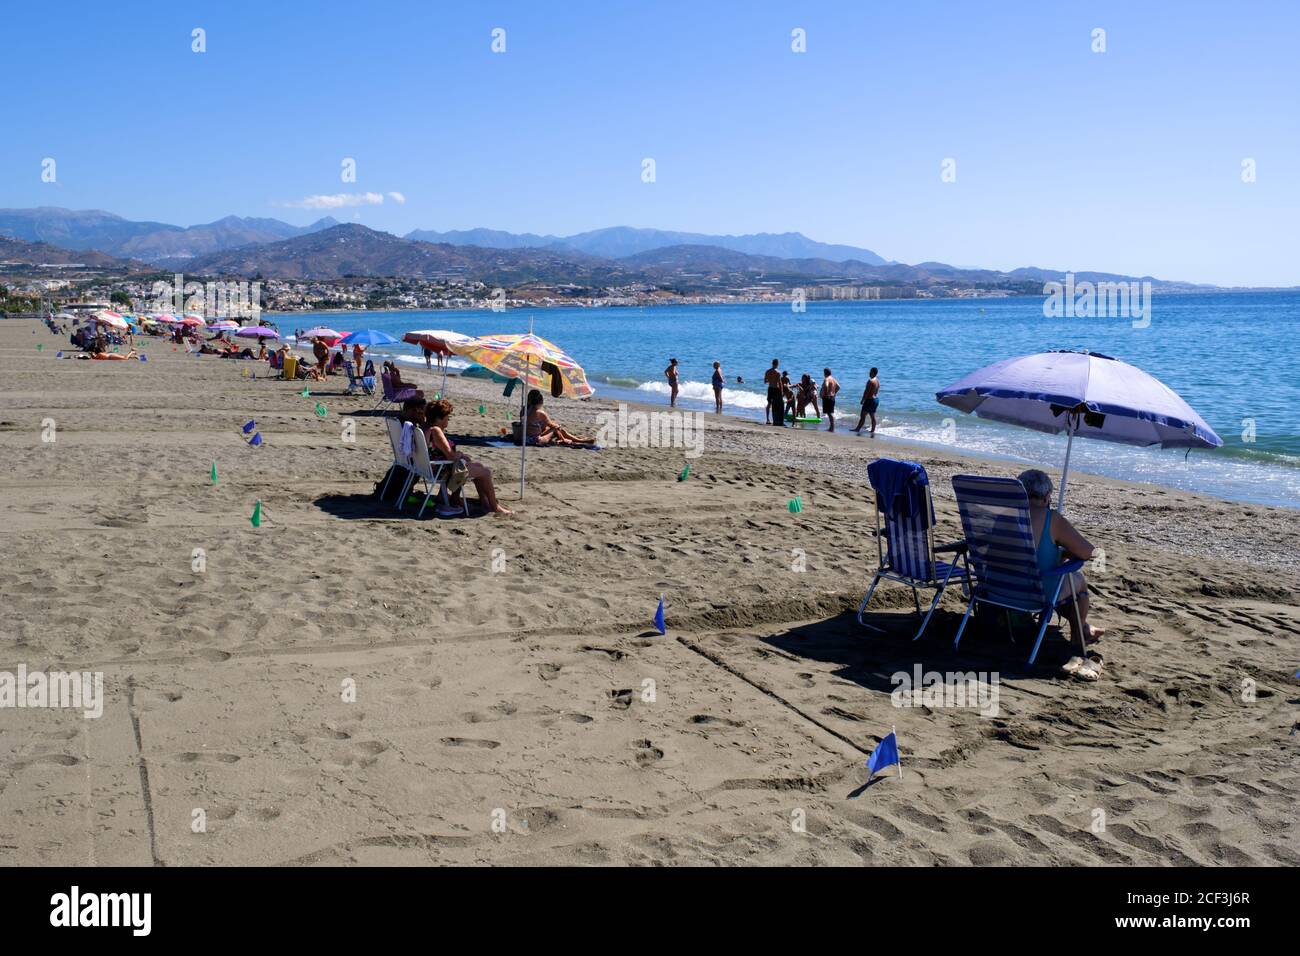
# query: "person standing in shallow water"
[[775, 397], [717, 387], [870, 401], [830, 388], [670, 373]]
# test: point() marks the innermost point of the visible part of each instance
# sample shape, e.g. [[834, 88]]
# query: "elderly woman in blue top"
[[1057, 540]]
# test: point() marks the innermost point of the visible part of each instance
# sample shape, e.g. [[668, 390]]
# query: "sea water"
[[1232, 357]]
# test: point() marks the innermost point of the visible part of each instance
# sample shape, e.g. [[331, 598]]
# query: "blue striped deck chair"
[[905, 550], [1000, 548]]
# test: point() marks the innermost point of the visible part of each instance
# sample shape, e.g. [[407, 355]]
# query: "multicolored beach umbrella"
[[1081, 393], [532, 360], [223, 325]]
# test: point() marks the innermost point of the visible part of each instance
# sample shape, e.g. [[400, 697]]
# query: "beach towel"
[[408, 439], [900, 486]]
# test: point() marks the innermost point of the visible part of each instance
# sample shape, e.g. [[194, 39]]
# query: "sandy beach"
[[347, 684]]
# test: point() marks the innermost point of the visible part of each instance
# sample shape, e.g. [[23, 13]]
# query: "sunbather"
[[437, 415], [544, 430], [1053, 534]]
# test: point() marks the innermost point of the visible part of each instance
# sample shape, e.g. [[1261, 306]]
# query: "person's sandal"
[[1071, 667], [1091, 670]]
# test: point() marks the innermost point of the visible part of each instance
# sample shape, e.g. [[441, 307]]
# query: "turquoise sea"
[[1232, 356]]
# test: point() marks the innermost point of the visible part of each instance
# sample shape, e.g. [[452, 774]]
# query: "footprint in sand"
[[621, 699], [471, 742], [193, 757], [646, 753], [61, 760], [710, 720], [548, 671]]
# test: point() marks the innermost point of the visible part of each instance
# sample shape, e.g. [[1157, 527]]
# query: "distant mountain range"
[[155, 242], [621, 241], [354, 250], [326, 249]]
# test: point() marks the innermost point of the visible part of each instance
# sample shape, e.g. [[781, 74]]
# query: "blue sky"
[[1126, 161]]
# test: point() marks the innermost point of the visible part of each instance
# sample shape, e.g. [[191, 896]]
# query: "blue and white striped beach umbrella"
[[1081, 393]]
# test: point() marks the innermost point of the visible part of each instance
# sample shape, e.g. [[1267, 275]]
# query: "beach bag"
[[459, 475]]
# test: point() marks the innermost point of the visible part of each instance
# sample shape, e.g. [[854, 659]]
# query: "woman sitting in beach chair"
[[544, 430], [437, 415], [395, 378], [1055, 537]]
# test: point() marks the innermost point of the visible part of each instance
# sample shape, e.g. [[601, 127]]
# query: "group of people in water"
[[789, 401]]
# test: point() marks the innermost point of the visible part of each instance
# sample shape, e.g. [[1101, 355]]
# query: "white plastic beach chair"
[[399, 460], [434, 474]]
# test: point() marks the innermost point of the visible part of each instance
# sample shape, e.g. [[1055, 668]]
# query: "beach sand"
[[512, 702]]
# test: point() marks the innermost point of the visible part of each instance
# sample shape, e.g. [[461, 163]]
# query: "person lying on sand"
[[437, 415], [108, 356], [544, 430], [1055, 538]]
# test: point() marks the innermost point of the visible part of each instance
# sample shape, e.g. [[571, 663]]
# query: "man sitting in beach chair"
[[1025, 557], [903, 497]]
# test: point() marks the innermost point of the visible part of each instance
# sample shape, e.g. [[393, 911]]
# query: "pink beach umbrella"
[[110, 318], [257, 332], [321, 332]]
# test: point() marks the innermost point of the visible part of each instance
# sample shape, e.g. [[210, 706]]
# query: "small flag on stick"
[[305, 391], [795, 505], [214, 472], [256, 439], [659, 617], [885, 754], [250, 425], [256, 519], [685, 473]]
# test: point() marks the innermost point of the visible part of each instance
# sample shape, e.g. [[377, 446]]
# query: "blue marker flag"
[[256, 439], [885, 754], [659, 617], [249, 426]]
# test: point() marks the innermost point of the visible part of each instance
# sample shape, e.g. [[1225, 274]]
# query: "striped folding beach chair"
[[1001, 551], [906, 551]]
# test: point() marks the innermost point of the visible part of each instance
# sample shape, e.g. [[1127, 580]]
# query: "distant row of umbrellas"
[[1077, 392]]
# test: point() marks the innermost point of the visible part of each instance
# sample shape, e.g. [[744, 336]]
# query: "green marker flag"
[[320, 409], [40, 346], [482, 410], [796, 505], [214, 472], [685, 472], [256, 519], [305, 391]]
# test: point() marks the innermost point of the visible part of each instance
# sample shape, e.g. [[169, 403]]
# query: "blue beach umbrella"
[[367, 337], [1081, 393]]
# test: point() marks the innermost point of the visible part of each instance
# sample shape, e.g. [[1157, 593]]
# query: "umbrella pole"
[[1065, 470], [523, 427]]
